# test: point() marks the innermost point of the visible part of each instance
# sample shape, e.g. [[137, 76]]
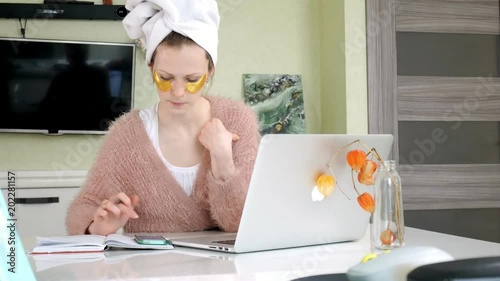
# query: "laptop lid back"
[[279, 211]]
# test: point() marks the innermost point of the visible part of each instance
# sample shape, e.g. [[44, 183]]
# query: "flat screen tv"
[[64, 87]]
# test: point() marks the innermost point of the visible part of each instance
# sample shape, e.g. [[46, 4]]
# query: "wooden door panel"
[[448, 16]]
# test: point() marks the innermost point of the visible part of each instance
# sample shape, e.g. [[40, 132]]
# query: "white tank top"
[[185, 176]]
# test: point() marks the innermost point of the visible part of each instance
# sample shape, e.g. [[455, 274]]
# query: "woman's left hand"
[[219, 141]]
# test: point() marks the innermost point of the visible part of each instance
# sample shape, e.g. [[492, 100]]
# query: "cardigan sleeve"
[[103, 180], [227, 198]]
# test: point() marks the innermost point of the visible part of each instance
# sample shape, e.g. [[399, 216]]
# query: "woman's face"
[[179, 66]]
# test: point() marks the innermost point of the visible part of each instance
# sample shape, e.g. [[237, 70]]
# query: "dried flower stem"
[[389, 221], [354, 182], [336, 182], [342, 148]]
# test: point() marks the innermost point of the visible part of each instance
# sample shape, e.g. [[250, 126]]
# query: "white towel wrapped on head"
[[151, 21]]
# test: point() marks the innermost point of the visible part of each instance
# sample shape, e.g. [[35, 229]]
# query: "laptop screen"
[[13, 258]]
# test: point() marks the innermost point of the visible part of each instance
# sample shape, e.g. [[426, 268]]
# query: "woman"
[[185, 163]]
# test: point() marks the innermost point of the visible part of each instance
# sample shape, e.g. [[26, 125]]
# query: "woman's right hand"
[[113, 214]]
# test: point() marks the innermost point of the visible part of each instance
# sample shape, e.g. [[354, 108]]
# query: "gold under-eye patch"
[[194, 87], [163, 85], [191, 87]]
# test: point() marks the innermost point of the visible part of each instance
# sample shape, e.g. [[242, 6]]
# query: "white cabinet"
[[41, 211]]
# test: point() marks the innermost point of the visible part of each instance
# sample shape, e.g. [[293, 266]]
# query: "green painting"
[[278, 101]]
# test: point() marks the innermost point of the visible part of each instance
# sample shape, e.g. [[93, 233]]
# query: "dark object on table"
[[463, 270]]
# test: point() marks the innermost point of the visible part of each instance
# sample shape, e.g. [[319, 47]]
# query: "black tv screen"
[[58, 87]]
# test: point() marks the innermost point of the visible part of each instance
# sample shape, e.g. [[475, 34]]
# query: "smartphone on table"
[[151, 239]]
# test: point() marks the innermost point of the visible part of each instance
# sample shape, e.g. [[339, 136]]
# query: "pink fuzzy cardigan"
[[127, 162]]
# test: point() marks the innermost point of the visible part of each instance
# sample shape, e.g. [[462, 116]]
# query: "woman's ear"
[[211, 73]]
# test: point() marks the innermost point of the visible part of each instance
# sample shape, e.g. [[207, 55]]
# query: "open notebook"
[[46, 262], [89, 243]]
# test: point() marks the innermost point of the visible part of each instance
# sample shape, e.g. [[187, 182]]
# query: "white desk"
[[288, 264]]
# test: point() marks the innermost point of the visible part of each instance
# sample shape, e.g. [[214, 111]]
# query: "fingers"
[[215, 121], [102, 212], [121, 198], [134, 199], [117, 210], [218, 125], [127, 210], [111, 207], [118, 205]]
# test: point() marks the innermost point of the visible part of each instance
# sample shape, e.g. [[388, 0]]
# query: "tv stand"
[[68, 2], [62, 11], [53, 134]]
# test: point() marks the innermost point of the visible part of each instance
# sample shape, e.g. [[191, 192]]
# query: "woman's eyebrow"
[[188, 75], [163, 72]]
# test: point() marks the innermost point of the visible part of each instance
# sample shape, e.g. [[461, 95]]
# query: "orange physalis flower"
[[365, 175], [387, 237], [356, 159], [366, 180], [366, 202], [325, 184]]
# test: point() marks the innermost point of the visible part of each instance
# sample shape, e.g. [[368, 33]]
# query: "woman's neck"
[[190, 122]]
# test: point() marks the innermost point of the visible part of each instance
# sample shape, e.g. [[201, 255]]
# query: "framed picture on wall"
[[278, 101]]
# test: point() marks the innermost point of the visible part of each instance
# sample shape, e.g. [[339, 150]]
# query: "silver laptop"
[[279, 211]]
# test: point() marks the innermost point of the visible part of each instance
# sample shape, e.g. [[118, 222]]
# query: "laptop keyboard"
[[228, 242]]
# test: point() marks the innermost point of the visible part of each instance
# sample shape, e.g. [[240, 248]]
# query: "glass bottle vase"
[[387, 228]]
